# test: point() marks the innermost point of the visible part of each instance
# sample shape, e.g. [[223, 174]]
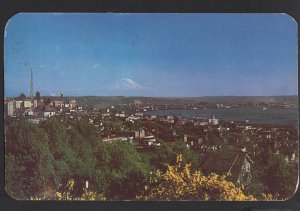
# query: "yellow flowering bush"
[[268, 197], [87, 195], [179, 183], [36, 198]]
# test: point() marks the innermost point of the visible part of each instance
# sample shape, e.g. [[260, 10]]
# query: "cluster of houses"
[[38, 108], [196, 134], [149, 132]]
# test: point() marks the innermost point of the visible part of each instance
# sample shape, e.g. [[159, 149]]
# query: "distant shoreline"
[[272, 116], [292, 100]]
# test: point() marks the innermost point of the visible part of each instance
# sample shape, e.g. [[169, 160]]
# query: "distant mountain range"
[[117, 100]]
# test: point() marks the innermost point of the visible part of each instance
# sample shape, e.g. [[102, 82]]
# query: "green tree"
[[65, 160], [14, 181], [57, 134], [89, 132], [84, 167], [27, 148], [121, 168], [275, 175], [167, 154]]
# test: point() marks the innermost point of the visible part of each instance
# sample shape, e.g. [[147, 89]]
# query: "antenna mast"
[[31, 84]]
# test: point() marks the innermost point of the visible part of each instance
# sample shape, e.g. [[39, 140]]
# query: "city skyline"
[[159, 55]]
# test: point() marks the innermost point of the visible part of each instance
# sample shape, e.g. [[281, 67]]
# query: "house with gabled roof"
[[236, 164]]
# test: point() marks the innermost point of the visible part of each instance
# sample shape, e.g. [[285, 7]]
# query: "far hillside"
[[117, 100], [292, 99]]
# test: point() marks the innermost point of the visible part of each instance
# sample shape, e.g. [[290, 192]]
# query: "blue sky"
[[151, 54]]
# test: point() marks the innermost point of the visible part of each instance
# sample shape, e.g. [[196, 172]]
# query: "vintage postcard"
[[160, 107]]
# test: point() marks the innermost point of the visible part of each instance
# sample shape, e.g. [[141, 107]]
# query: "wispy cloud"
[[57, 49], [95, 65]]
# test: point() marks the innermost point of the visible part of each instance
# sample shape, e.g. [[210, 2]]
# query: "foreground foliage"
[[179, 183], [67, 195], [86, 195], [41, 159]]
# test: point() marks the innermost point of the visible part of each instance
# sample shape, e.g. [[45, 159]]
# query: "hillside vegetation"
[[116, 100]]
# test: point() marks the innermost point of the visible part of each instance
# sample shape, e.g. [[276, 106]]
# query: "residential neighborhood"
[[208, 137]]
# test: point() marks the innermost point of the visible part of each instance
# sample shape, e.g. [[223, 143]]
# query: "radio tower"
[[31, 84]]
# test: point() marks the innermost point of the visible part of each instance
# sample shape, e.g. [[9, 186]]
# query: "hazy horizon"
[[58, 95], [151, 55]]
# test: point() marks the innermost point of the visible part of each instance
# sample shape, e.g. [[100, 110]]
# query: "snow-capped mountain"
[[128, 84]]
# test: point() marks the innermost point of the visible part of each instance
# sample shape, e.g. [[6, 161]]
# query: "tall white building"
[[27, 104], [213, 121], [19, 104], [10, 108], [35, 103]]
